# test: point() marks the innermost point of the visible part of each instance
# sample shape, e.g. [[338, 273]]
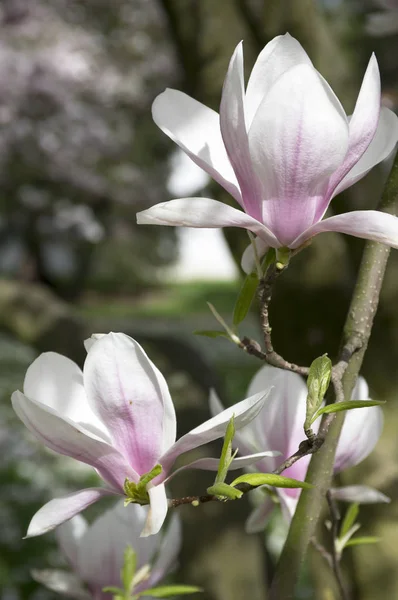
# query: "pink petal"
[[234, 133], [367, 224], [131, 396], [259, 517], [61, 582], [59, 510], [362, 494], [214, 428], [69, 536], [65, 437], [157, 510], [247, 261], [279, 55], [57, 382], [361, 431], [362, 128], [203, 212], [379, 149], [211, 464], [168, 552], [196, 129], [101, 553], [295, 147]]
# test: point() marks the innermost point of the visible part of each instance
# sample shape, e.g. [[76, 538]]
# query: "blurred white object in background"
[[214, 259]]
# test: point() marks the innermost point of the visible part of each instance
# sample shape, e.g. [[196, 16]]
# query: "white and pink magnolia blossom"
[[95, 553], [283, 148], [280, 425], [116, 415]]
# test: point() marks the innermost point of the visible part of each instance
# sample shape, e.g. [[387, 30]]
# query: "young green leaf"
[[349, 405], [165, 591], [128, 570], [363, 540], [113, 590], [224, 491], [257, 479], [226, 453], [317, 383], [245, 298], [211, 333], [349, 519]]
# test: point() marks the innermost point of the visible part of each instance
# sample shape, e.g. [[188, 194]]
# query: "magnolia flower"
[[280, 424], [117, 416], [283, 149], [96, 553]]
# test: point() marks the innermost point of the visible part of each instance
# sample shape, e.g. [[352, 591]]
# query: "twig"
[[335, 519], [322, 551]]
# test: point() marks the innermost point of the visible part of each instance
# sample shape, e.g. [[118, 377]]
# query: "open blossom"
[[280, 424], [117, 416], [95, 553], [283, 149]]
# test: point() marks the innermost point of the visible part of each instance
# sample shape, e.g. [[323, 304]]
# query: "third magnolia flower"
[[283, 148]]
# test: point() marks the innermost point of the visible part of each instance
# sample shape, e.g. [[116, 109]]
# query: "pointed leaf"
[[257, 479], [165, 591], [113, 590], [211, 333], [349, 519], [363, 540], [317, 383], [349, 405], [226, 453], [245, 298], [128, 570], [224, 490]]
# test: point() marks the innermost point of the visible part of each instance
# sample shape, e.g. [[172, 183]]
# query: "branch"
[[335, 519], [357, 329]]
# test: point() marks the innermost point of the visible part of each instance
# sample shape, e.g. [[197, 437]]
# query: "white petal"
[[361, 390], [69, 536], [101, 553], [379, 149], [59, 510], [259, 517], [88, 344], [211, 464], [279, 55], [280, 423], [288, 503], [295, 147], [129, 393], [234, 133], [61, 582], [244, 412], [65, 437], [203, 212], [361, 431], [362, 494], [196, 129], [367, 224], [157, 510], [247, 261], [57, 382]]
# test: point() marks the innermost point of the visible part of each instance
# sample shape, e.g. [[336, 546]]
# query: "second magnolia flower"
[[117, 416]]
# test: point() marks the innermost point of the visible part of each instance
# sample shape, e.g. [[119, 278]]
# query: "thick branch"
[[358, 326]]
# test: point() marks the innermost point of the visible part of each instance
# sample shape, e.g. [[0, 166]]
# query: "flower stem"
[[358, 326]]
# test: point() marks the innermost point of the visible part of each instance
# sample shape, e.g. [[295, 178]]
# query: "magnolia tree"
[[283, 148]]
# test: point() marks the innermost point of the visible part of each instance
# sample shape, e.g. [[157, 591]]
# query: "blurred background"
[[79, 156]]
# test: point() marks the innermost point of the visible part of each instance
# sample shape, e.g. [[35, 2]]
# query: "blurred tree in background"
[[79, 156]]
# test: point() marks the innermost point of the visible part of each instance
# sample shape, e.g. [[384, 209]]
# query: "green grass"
[[178, 300]]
